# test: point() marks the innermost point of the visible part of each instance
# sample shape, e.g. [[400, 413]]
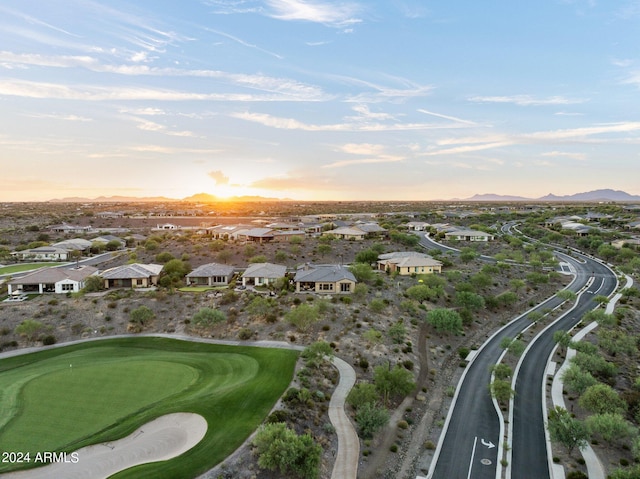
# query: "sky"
[[318, 99]]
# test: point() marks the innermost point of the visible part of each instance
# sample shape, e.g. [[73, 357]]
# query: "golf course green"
[[69, 397]]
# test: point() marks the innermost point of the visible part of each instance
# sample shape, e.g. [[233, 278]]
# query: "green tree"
[[302, 316], [566, 295], [113, 245], [627, 473], [481, 280], [467, 255], [393, 382], [260, 258], [610, 426], [567, 430], [377, 305], [30, 329], [260, 307], [603, 319], [595, 364], [421, 293], [249, 251], [562, 339], [175, 270], [280, 256], [324, 249], [502, 371], [164, 257], [208, 316], [469, 300], [141, 315], [367, 256], [397, 332], [361, 394], [224, 256], [616, 342], [602, 398], [316, 353], [576, 380], [362, 272], [370, 419], [360, 291], [372, 336], [281, 449], [93, 284], [445, 320], [501, 391]]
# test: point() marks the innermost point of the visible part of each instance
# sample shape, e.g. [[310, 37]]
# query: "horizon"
[[317, 100]]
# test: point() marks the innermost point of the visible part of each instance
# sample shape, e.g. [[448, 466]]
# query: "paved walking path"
[[595, 470], [346, 465]]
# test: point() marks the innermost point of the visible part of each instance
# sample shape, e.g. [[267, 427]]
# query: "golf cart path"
[[346, 465], [159, 440]]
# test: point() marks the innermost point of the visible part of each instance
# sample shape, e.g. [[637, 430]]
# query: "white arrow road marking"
[[487, 444]]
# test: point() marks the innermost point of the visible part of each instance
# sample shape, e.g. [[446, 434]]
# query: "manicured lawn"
[[66, 398], [19, 268]]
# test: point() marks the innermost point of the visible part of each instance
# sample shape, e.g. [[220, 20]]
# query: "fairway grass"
[[66, 398], [19, 268]]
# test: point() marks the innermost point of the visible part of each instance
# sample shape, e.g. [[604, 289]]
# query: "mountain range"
[[604, 195]]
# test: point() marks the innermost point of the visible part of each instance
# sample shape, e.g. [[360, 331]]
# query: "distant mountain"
[[197, 198], [207, 198], [591, 196], [491, 197], [112, 199], [596, 195]]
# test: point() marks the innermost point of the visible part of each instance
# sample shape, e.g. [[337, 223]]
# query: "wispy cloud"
[[243, 42], [293, 124], [59, 117], [363, 161], [219, 177], [566, 154], [328, 13], [527, 100], [446, 117]]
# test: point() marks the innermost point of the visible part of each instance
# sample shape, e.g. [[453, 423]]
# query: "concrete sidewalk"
[[595, 470], [346, 465]]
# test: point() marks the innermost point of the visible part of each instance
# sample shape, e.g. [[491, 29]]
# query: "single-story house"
[[408, 263], [257, 235], [134, 275], [52, 280], [75, 244], [226, 232], [287, 235], [469, 235], [107, 238], [348, 233], [65, 228], [167, 226], [212, 274], [263, 274], [326, 278], [43, 253], [417, 225], [371, 229]]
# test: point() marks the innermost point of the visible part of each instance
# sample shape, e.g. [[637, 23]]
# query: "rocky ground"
[[434, 358]]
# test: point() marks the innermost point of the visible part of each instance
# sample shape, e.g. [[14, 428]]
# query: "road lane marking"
[[473, 453]]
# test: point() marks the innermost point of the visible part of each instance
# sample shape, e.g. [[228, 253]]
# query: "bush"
[[49, 340], [209, 316], [141, 315], [245, 333]]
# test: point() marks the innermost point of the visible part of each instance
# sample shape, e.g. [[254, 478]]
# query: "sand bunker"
[[163, 438]]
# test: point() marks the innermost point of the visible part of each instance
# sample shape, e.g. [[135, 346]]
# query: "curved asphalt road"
[[529, 457], [468, 447]]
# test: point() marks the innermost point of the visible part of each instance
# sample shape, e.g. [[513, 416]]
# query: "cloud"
[[41, 90], [446, 117], [527, 100], [566, 154], [59, 117], [293, 124], [330, 14], [244, 43], [284, 86], [380, 159], [219, 177]]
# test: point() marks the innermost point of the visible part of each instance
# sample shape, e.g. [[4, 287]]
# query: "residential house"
[[256, 235], [408, 263], [75, 244], [212, 274], [288, 235], [104, 239], [52, 280], [42, 253], [227, 232], [327, 278], [263, 274], [417, 225], [167, 226], [65, 228], [371, 229], [469, 235], [134, 275], [348, 233]]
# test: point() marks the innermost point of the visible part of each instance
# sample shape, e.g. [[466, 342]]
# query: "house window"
[[326, 286], [139, 282], [345, 287], [67, 287]]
